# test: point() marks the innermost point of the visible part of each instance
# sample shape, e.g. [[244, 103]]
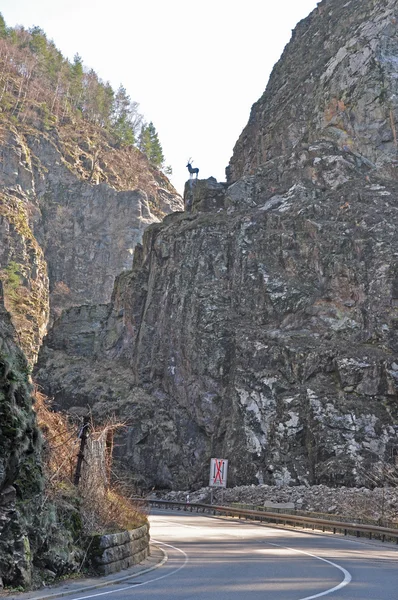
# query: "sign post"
[[218, 474]]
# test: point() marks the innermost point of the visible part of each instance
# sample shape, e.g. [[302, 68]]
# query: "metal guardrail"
[[383, 533], [360, 520]]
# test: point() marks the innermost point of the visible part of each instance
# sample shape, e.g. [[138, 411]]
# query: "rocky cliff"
[[261, 326], [33, 534], [72, 209]]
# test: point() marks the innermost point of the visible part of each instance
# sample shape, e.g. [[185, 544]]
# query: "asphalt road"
[[219, 559]]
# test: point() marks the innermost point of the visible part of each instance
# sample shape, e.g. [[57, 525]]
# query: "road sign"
[[218, 472]]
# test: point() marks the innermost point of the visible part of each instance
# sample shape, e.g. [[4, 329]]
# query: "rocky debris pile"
[[379, 504]]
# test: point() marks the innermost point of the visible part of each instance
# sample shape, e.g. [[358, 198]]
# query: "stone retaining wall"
[[116, 551]]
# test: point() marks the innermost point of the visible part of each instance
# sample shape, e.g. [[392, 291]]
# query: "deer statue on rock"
[[191, 170]]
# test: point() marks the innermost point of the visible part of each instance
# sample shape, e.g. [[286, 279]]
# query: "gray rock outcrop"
[[336, 81]]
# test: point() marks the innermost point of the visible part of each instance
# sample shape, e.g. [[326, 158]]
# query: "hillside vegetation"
[[38, 82], [101, 132]]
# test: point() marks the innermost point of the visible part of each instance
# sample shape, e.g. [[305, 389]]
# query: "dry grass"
[[111, 513], [103, 508], [60, 443]]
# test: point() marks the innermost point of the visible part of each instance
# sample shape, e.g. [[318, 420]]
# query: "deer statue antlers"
[[191, 170]]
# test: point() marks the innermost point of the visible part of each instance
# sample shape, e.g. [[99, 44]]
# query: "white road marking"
[[347, 576], [129, 587]]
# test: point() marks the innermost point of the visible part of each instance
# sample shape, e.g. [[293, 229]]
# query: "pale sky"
[[195, 68]]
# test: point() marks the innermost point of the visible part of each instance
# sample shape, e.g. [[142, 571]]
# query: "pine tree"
[[77, 68], [3, 27], [104, 100], [38, 41], [156, 153], [76, 81], [149, 144], [55, 62], [125, 117], [144, 143]]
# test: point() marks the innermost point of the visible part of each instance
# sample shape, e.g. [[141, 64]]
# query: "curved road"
[[211, 558]]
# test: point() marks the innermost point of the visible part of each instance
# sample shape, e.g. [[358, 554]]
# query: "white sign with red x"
[[218, 472]]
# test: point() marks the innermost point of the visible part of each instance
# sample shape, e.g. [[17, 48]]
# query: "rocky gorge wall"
[[265, 336], [68, 227], [261, 326]]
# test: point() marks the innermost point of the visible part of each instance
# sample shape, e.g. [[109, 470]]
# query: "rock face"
[[23, 268], [21, 476], [69, 222], [261, 326], [35, 535], [336, 81]]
